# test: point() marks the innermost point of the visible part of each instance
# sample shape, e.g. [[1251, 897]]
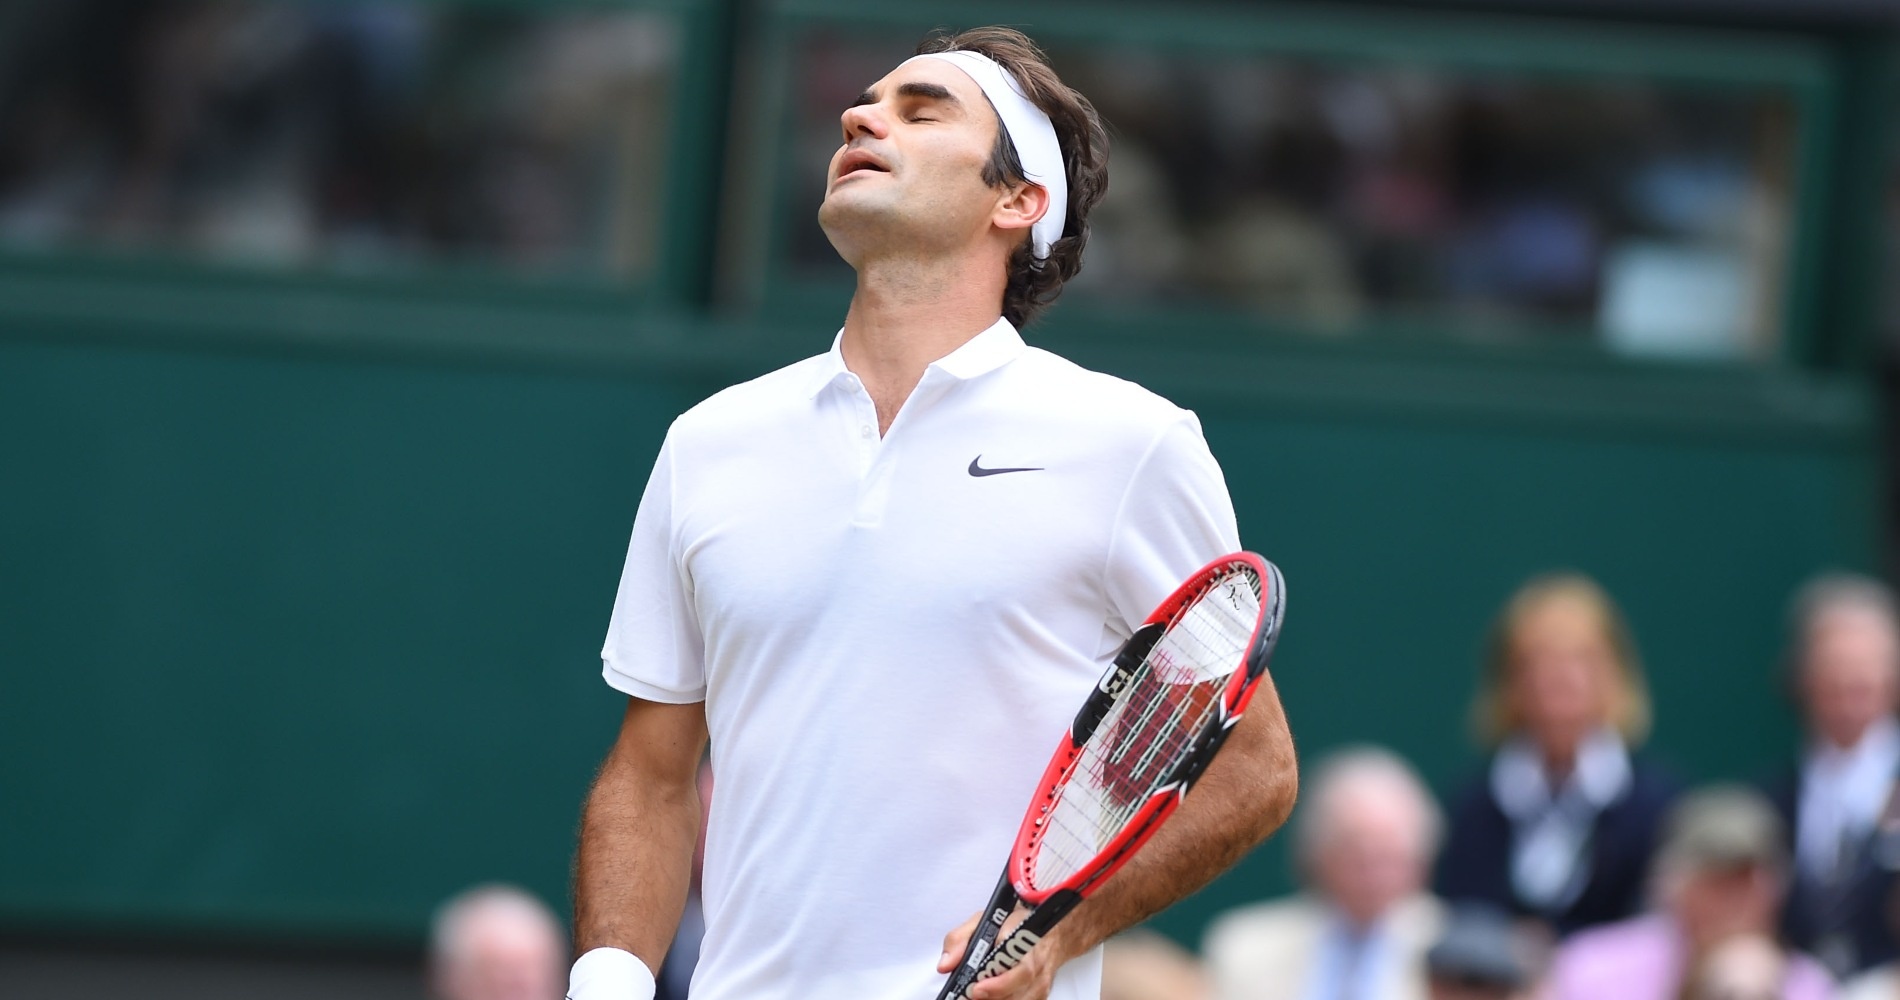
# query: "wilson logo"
[[1011, 953], [1115, 682]]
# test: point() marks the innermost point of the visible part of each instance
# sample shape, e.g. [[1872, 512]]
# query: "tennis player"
[[881, 581]]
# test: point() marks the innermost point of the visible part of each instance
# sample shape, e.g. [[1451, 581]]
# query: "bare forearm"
[[1246, 794], [633, 867]]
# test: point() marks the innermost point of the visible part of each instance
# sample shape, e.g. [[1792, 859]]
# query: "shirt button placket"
[[867, 428], [872, 479]]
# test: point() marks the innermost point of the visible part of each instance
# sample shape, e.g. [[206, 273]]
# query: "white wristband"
[[610, 974]]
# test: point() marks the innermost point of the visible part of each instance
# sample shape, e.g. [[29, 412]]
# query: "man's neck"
[[907, 314], [1847, 744]]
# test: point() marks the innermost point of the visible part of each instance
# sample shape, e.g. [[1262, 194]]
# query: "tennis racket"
[[1146, 733]]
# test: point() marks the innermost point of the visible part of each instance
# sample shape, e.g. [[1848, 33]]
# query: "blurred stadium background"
[[336, 340]]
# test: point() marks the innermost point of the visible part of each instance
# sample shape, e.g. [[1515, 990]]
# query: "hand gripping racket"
[[1147, 731]]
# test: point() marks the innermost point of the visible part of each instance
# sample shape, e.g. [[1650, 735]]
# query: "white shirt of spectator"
[[892, 634], [1353, 962], [1843, 793], [1552, 826]]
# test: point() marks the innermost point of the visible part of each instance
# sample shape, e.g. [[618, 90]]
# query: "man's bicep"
[[661, 742], [1247, 793], [1258, 758]]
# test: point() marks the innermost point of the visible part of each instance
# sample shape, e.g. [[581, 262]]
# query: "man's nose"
[[863, 120]]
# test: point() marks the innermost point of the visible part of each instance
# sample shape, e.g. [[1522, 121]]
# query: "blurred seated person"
[[496, 942], [1560, 824], [1479, 957], [1719, 880], [1142, 965], [1750, 967], [1840, 801], [1363, 839], [1881, 982]]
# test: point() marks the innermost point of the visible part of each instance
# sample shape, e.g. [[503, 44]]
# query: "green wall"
[[299, 641]]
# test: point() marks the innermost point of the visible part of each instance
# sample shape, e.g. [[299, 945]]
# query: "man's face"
[[1374, 853], [504, 958], [1714, 903], [1848, 673], [909, 173]]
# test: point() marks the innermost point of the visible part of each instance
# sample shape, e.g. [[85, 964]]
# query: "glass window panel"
[[1363, 199], [359, 136]]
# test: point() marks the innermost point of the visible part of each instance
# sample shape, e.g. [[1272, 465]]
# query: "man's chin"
[[844, 206], [855, 225]]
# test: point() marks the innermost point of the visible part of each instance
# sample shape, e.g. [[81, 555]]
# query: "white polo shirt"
[[891, 636]]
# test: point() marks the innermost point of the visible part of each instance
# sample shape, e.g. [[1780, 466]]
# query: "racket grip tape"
[[1002, 901], [1014, 948]]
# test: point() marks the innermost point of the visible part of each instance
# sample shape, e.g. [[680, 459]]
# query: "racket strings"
[[1175, 693]]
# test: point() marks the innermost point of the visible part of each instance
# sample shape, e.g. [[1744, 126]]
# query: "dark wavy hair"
[[1034, 284]]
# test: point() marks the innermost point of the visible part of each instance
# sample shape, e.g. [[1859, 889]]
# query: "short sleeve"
[[1175, 518], [654, 648]]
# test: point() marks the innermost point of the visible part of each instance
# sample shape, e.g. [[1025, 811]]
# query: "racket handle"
[[1004, 956], [964, 975], [1010, 952], [978, 947]]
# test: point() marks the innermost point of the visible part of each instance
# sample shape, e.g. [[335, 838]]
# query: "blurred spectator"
[[496, 942], [1479, 957], [1364, 837], [1719, 878], [1143, 965], [1562, 822], [1881, 982], [1840, 802]]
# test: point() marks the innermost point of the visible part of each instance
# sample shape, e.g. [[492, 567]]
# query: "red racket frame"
[[1147, 819], [1051, 903]]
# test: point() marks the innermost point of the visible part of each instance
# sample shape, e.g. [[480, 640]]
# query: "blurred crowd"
[[1574, 866], [1332, 194], [1338, 196], [353, 136], [1571, 866]]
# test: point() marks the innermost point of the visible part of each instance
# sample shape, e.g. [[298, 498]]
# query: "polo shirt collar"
[[983, 353], [995, 347]]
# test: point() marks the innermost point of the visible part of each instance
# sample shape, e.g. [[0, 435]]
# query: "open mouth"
[[859, 162]]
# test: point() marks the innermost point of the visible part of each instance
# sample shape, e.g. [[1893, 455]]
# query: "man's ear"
[[1020, 207]]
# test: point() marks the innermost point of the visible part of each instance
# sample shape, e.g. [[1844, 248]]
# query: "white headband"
[[1029, 131]]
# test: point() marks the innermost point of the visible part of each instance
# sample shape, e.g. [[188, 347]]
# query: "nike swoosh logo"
[[977, 470]]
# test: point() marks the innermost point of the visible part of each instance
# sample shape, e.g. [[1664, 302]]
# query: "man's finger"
[[955, 941], [1024, 982]]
